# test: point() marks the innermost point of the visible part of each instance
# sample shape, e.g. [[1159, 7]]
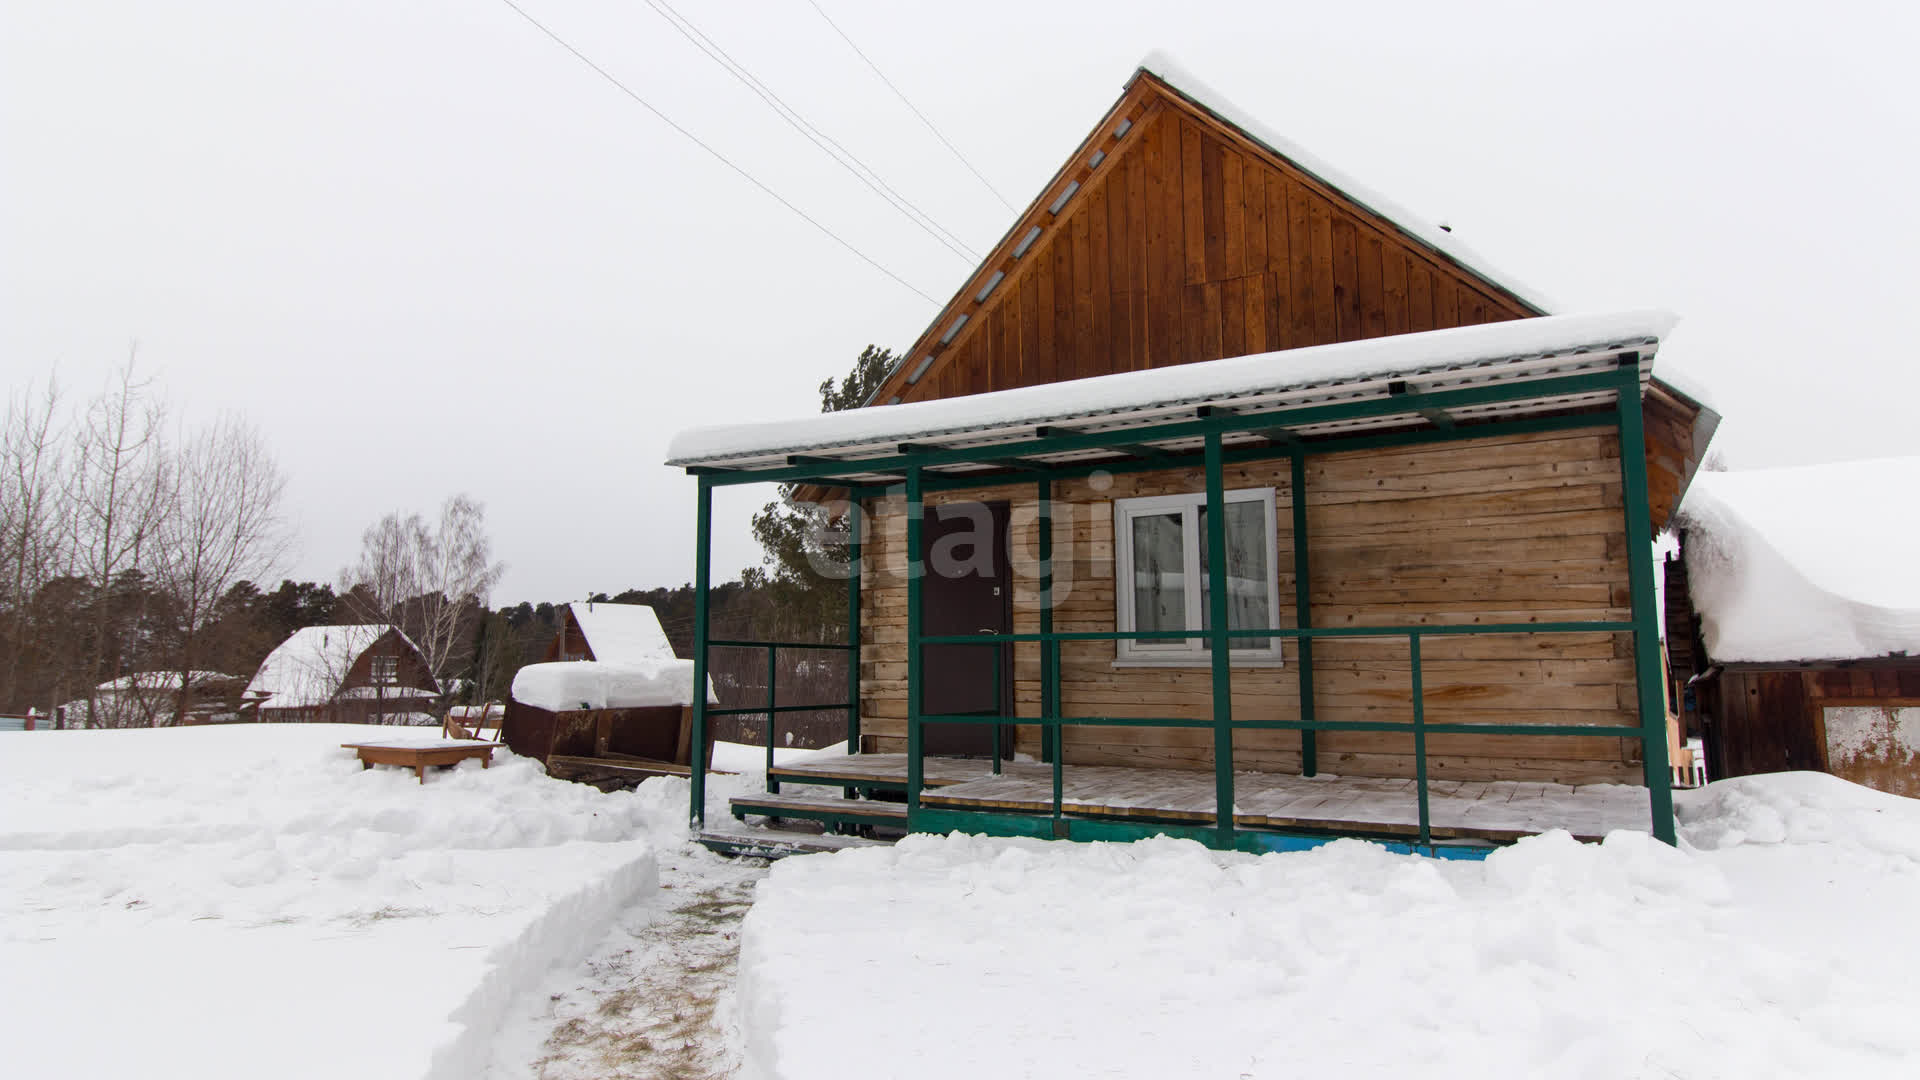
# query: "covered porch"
[[1555, 374]]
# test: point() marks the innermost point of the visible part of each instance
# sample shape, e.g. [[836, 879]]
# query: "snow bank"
[[1774, 580], [1021, 958], [228, 900], [592, 684]]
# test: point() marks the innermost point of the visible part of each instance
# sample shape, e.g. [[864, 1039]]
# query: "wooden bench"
[[419, 758]]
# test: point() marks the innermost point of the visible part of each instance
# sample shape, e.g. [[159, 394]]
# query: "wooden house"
[[611, 704], [1794, 621], [369, 673], [162, 698], [1222, 476]]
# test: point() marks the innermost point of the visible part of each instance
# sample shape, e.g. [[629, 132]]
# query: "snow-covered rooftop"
[[306, 669], [1199, 93], [1264, 384], [1813, 562], [618, 633]]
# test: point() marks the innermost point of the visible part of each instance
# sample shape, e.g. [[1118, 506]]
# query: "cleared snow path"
[[655, 999]]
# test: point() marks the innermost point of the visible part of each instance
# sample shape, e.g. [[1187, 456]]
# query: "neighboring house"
[[364, 674], [1794, 620], [1242, 393], [611, 704], [153, 699]]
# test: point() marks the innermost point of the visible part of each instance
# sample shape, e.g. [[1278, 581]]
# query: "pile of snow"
[[1022, 958], [566, 686], [231, 900], [1814, 562]]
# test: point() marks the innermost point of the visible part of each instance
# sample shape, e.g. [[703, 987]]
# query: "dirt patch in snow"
[[654, 1001]]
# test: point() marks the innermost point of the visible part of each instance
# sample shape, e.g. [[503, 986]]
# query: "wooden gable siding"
[[1508, 529], [1186, 243]]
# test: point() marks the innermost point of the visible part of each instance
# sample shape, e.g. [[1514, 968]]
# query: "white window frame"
[[1186, 652]]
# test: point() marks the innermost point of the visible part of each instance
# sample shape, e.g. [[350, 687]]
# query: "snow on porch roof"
[[1262, 384]]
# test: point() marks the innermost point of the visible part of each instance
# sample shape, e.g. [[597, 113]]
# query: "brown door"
[[968, 589]]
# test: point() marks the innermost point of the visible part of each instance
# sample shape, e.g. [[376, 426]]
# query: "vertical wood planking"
[[1372, 287], [1393, 273], [1348, 321]]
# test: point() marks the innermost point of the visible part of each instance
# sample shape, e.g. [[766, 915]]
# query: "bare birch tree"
[[118, 483], [219, 524], [32, 520], [425, 577]]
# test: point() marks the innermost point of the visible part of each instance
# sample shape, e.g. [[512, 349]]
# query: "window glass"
[[1247, 573], [1159, 577]]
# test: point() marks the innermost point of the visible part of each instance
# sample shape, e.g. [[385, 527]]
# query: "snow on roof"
[[618, 633], [1191, 87], [1813, 562], [163, 680], [1272, 382], [567, 686], [306, 669]]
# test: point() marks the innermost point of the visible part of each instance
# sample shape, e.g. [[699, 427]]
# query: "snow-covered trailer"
[[1794, 621], [1221, 478]]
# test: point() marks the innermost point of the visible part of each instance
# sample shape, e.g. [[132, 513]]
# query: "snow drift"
[[228, 901], [591, 684], [1774, 580]]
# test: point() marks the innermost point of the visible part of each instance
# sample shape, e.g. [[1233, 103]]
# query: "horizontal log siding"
[[1508, 529]]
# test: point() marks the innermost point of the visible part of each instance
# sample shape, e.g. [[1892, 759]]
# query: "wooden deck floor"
[[1494, 810]]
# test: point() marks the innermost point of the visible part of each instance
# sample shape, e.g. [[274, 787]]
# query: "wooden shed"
[[1794, 621], [1223, 482], [610, 705]]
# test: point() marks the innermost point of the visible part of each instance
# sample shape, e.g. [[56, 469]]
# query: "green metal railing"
[[772, 709], [1053, 723]]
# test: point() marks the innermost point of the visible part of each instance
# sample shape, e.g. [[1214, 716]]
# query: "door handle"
[[986, 630]]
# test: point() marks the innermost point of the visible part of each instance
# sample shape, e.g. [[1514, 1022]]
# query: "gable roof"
[[307, 669], [621, 633], [1136, 138]]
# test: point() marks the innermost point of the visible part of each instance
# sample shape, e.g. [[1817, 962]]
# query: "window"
[[386, 670], [1160, 553]]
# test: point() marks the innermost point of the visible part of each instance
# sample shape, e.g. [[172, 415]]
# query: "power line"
[[723, 159], [845, 158], [903, 98]]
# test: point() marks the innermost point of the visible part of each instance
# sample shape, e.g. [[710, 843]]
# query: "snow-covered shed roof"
[[1264, 384], [618, 633], [1168, 70], [1811, 562], [641, 683], [307, 668]]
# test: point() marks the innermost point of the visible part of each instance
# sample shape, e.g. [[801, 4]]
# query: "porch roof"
[[1261, 393]]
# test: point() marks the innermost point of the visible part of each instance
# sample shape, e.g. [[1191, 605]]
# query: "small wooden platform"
[[830, 809], [881, 771], [1494, 810], [420, 757]]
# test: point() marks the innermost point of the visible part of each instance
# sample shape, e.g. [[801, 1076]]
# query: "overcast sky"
[[429, 251]]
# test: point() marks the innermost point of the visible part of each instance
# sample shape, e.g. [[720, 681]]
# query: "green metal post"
[[1420, 743], [1218, 643], [994, 734], [1646, 627], [914, 571], [773, 786], [702, 571], [854, 514], [1049, 735], [1303, 613]]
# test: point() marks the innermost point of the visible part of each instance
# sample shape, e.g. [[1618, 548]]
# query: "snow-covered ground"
[[246, 901], [1777, 942]]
